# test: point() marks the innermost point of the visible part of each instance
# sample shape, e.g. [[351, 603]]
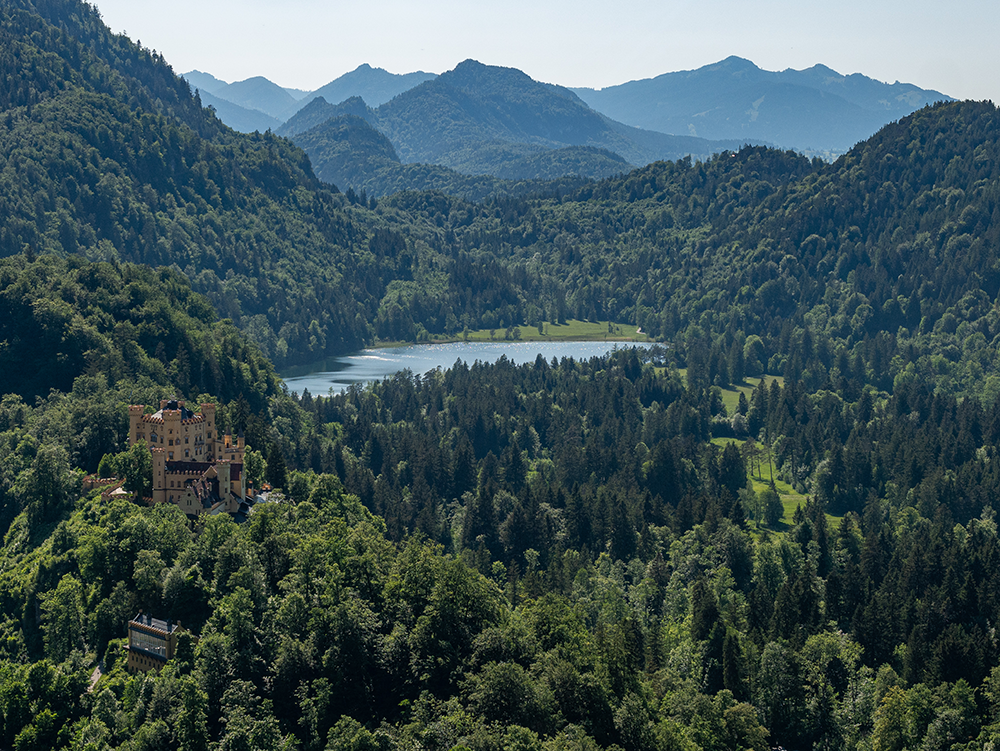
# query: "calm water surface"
[[336, 374]]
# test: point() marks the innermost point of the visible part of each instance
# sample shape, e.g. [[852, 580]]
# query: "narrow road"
[[94, 678]]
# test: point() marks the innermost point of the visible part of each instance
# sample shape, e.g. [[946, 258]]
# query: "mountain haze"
[[475, 103], [239, 118], [375, 85], [479, 120], [816, 108], [348, 152], [318, 111], [259, 93], [204, 81]]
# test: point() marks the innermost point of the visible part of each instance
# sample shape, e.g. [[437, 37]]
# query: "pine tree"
[[277, 472]]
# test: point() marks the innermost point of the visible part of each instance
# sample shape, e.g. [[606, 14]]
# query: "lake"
[[338, 373]]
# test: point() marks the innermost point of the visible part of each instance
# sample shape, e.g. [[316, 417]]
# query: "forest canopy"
[[778, 529]]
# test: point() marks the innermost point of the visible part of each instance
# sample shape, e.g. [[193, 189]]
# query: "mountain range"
[[814, 109], [375, 85], [477, 120], [495, 122]]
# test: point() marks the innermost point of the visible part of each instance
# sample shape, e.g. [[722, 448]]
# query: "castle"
[[194, 467]]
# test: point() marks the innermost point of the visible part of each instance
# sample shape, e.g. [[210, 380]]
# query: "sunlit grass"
[[761, 479], [572, 330], [731, 396]]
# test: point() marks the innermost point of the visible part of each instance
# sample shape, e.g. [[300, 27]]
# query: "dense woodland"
[[879, 258], [349, 152], [571, 555]]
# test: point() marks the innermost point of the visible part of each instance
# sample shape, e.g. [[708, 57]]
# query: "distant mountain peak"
[[374, 85], [817, 109], [737, 61], [319, 111], [820, 68], [478, 78], [204, 81]]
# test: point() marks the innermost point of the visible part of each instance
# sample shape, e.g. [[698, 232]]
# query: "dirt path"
[[94, 678]]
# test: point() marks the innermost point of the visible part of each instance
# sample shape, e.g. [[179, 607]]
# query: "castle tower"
[[135, 427], [211, 434], [233, 450], [159, 474]]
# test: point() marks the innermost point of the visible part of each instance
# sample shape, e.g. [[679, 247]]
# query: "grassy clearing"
[[790, 497], [731, 396], [572, 330]]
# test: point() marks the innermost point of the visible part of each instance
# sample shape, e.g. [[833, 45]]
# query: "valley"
[[773, 527]]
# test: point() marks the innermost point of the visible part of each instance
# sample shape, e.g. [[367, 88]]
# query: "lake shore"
[[376, 363], [571, 331]]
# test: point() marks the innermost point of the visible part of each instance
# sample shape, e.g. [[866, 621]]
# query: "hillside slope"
[[889, 256], [106, 153]]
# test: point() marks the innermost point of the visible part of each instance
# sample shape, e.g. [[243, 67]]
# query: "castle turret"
[[135, 427], [211, 434], [159, 474]]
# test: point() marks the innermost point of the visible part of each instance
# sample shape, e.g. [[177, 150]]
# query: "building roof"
[[175, 406], [187, 467], [157, 623]]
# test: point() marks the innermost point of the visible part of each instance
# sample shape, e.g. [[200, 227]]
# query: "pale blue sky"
[[306, 43]]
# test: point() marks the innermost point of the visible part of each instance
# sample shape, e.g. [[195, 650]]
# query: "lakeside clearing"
[[571, 331]]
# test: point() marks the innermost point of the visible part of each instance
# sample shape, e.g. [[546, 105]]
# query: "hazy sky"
[[950, 47]]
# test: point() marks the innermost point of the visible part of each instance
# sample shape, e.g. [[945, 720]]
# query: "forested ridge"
[[349, 152], [779, 529], [106, 154], [877, 259]]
